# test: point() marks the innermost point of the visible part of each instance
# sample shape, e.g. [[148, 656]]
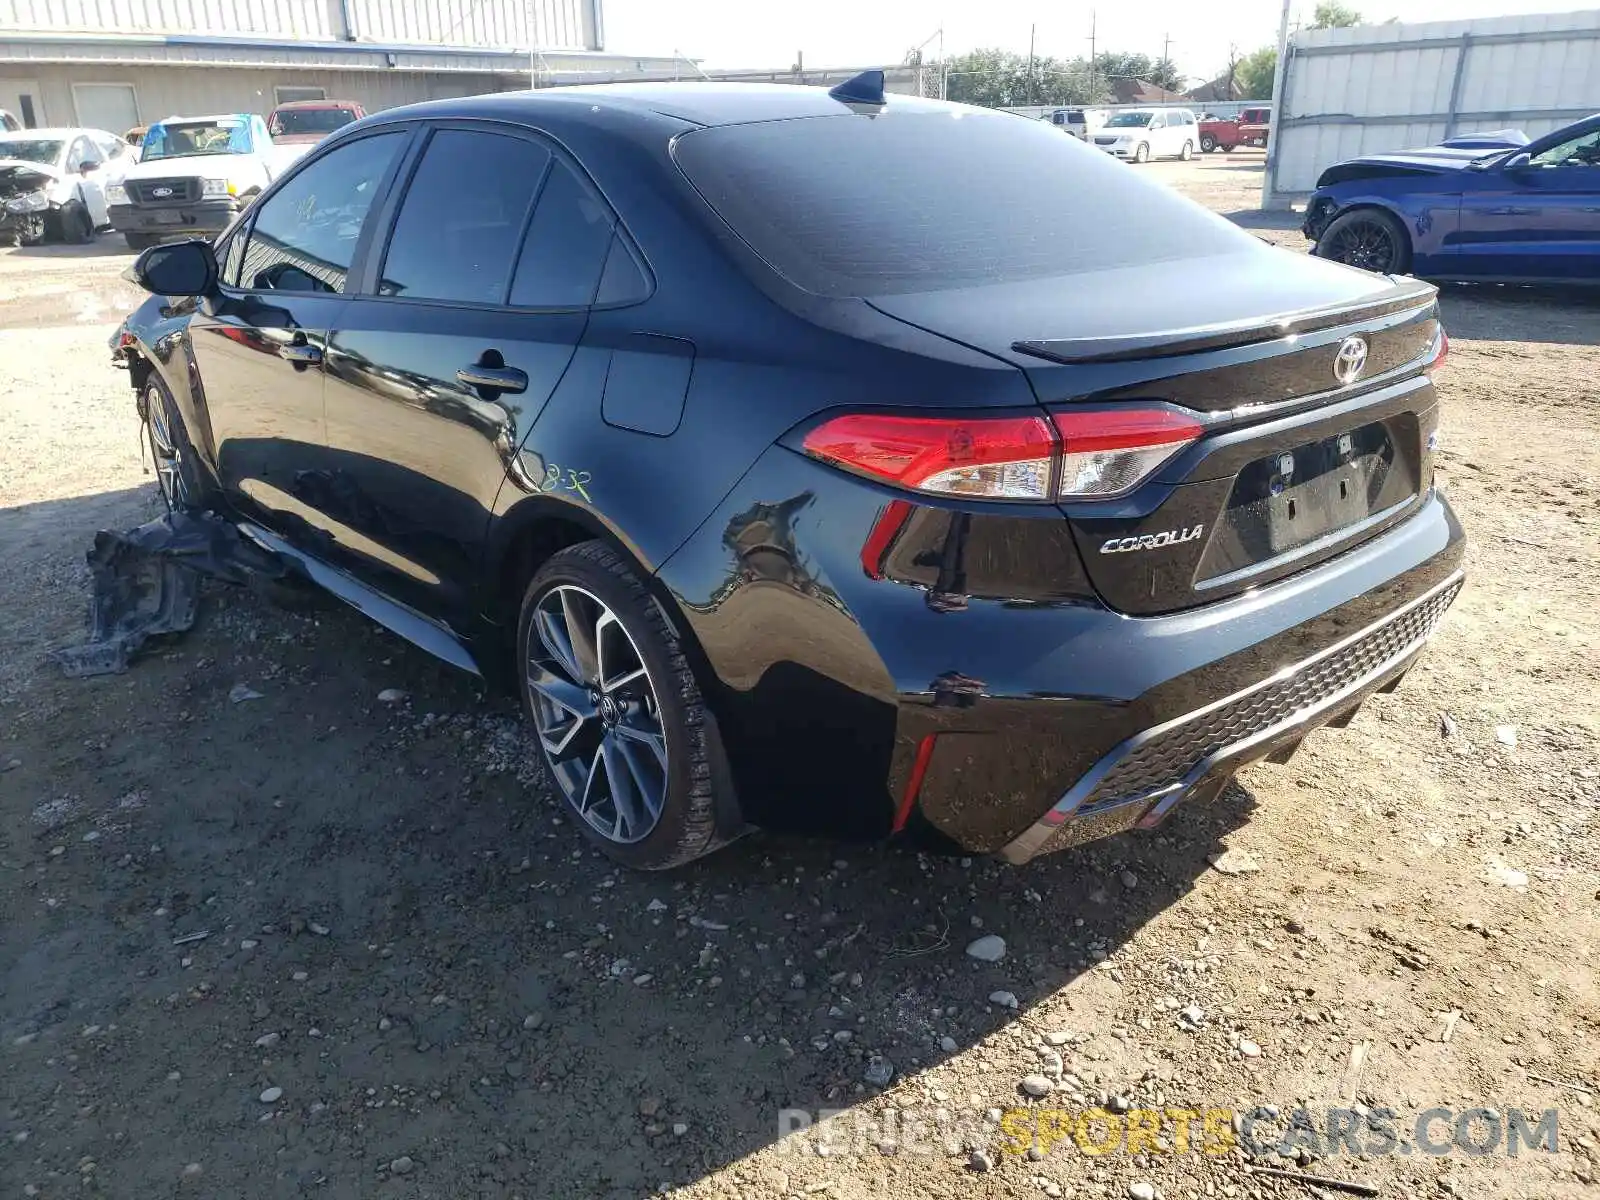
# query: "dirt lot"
[[308, 943]]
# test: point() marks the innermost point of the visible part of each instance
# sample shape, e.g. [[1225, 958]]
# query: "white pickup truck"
[[194, 175]]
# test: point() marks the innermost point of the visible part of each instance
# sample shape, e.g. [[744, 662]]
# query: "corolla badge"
[[160, 192], [1150, 541], [1351, 360]]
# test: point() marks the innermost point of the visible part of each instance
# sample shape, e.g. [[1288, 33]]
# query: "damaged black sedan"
[[796, 475]]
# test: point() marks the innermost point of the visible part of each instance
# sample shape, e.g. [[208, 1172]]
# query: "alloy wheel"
[[597, 714], [167, 451], [1365, 244]]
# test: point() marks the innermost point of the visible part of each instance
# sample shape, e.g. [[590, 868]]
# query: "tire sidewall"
[[194, 481], [687, 825], [1141, 153], [1402, 260]]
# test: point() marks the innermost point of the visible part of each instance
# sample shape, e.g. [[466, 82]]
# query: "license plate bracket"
[[167, 217]]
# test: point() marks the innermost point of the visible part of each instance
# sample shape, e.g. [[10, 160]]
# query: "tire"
[[1368, 238], [35, 234], [8, 238], [669, 750], [77, 228], [1142, 153], [1187, 152], [182, 482], [139, 241], [1207, 143]]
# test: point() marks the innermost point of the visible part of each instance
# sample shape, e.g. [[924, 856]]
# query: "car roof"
[[199, 120], [52, 131], [316, 104], [697, 103]]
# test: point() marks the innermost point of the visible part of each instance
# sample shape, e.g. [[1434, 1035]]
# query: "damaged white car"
[[53, 183]]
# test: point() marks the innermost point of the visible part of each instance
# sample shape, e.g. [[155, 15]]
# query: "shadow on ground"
[[379, 909], [103, 245]]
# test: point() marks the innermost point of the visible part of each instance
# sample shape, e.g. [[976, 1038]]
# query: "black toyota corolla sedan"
[[819, 461]]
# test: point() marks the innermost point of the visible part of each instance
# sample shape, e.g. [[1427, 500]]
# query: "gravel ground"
[[311, 943]]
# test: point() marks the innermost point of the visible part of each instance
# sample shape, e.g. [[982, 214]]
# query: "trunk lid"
[[1295, 464]]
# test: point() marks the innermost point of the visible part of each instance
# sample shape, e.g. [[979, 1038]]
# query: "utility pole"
[[1092, 67], [1032, 29]]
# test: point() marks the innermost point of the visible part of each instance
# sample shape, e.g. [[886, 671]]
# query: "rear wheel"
[[1207, 143], [1142, 154], [1368, 238], [625, 732], [76, 226]]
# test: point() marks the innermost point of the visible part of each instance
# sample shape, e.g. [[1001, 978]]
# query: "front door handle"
[[301, 353], [493, 379]]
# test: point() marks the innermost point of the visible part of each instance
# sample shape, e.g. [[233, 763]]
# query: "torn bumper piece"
[[146, 583]]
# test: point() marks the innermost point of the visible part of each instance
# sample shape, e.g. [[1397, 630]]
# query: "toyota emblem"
[[1351, 360], [162, 191]]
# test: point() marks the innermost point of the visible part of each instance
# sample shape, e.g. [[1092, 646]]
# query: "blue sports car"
[[1517, 214]]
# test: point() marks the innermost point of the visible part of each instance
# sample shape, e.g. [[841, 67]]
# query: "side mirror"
[[89, 166], [181, 269]]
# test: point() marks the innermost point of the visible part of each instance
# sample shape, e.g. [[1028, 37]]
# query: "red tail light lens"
[[1108, 452], [1441, 351], [1091, 454], [1000, 458]]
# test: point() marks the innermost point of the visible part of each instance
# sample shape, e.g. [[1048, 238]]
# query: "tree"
[[1159, 71], [1001, 79], [1330, 14], [1254, 73]]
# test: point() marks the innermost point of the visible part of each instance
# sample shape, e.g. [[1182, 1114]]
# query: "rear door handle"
[[496, 379], [301, 353]]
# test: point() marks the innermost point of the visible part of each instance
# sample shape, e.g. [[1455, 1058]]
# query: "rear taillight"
[[1002, 458], [1079, 455], [1441, 351], [1112, 451]]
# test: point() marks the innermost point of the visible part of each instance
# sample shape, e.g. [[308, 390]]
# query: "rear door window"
[[926, 201], [565, 251], [463, 217]]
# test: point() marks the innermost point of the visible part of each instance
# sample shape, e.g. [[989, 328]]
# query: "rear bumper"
[[202, 216], [976, 689], [1195, 754]]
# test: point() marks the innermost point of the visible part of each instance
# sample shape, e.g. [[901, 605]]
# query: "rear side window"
[[917, 202], [304, 235], [566, 247], [462, 218]]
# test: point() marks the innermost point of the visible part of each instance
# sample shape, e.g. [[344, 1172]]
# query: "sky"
[[728, 34]]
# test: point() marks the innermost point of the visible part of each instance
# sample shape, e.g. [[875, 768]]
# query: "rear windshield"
[[309, 120], [919, 202]]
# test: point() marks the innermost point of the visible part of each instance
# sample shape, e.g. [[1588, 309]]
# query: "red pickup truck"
[[1250, 128], [305, 121]]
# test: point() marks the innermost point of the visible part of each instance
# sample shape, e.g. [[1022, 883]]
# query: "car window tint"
[[1578, 152], [457, 231], [865, 207], [304, 236], [566, 245]]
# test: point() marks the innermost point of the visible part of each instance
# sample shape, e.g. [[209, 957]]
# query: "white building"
[[115, 64]]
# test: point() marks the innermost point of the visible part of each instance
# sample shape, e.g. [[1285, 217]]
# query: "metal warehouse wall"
[[1390, 87], [557, 24], [191, 91]]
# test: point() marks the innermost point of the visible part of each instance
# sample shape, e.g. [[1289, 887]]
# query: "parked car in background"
[[1518, 214], [1249, 128], [1079, 122], [194, 175], [53, 183], [306, 122], [483, 368], [1142, 135]]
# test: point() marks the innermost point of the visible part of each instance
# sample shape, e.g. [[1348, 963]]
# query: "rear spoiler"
[[1405, 294]]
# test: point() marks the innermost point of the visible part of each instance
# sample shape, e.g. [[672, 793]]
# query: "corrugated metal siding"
[[500, 24], [1374, 88], [167, 91]]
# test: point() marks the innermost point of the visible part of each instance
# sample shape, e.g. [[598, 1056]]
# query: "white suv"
[[1144, 134]]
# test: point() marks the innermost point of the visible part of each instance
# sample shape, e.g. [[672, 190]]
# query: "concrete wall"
[[192, 91]]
